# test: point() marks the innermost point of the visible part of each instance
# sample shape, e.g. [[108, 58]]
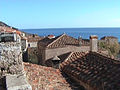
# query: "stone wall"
[[32, 54], [50, 53], [11, 58], [24, 44], [41, 54]]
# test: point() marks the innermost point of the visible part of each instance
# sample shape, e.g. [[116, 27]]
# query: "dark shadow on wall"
[[2, 83], [31, 56], [25, 57]]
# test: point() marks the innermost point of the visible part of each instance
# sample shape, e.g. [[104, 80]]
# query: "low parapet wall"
[[17, 82]]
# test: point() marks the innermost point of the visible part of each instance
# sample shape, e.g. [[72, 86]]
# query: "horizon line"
[[68, 28]]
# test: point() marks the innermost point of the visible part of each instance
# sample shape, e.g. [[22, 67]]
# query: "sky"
[[26, 14]]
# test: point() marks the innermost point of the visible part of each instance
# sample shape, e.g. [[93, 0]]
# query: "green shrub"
[[113, 49]]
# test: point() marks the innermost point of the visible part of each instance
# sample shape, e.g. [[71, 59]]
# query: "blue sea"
[[76, 32]]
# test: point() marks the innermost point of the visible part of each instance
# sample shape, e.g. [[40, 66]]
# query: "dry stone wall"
[[11, 58]]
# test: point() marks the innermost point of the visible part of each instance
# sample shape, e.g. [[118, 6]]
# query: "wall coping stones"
[[17, 82]]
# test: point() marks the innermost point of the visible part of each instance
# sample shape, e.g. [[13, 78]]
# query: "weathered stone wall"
[[24, 44], [50, 53], [32, 55], [41, 54], [11, 58]]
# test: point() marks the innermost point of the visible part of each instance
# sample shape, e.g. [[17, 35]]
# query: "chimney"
[[93, 43], [80, 40]]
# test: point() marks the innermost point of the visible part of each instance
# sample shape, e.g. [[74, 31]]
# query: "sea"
[[76, 32]]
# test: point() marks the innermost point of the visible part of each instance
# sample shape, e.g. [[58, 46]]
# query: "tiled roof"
[[61, 41], [9, 30], [34, 39], [46, 41], [64, 56], [93, 69], [45, 78]]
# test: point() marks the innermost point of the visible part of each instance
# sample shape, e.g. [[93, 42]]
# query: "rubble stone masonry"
[[11, 58]]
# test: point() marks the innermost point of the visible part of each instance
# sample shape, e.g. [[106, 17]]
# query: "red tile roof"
[[94, 69], [51, 36], [61, 41], [45, 78], [9, 30], [34, 39]]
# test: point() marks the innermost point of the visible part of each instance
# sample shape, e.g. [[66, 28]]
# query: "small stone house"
[[33, 40], [8, 34], [52, 46], [11, 34]]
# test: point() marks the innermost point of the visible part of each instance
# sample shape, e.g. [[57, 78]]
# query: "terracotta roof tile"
[[46, 41], [34, 39], [61, 41], [64, 56], [93, 69], [45, 78], [9, 30]]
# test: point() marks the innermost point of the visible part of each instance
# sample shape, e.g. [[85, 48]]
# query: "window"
[[28, 45], [7, 39]]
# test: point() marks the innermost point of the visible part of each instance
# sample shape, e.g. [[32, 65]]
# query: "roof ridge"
[[69, 56], [61, 65], [56, 40]]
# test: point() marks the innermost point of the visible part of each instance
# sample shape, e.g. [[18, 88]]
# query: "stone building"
[[52, 46], [24, 43], [92, 70], [18, 36], [33, 40], [31, 54], [28, 44], [11, 64], [10, 37]]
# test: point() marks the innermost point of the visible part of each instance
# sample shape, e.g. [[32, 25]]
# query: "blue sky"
[[25, 14]]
